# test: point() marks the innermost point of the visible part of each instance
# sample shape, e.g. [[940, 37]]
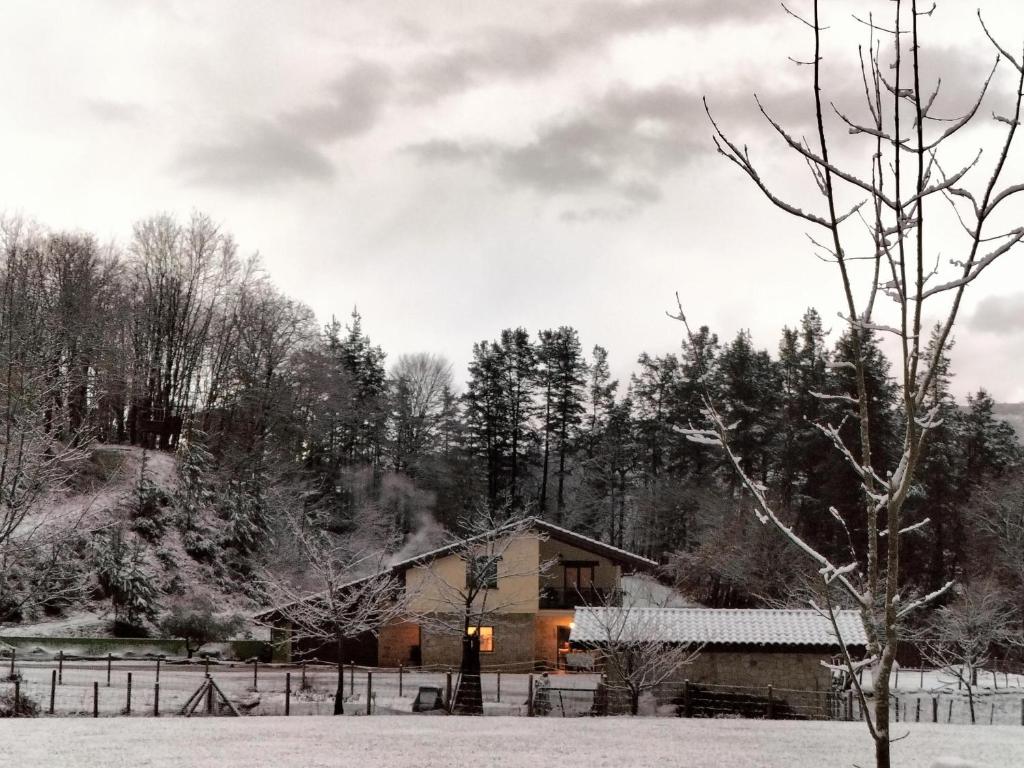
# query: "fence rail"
[[161, 687]]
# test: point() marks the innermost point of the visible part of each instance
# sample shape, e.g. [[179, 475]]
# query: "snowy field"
[[433, 742]]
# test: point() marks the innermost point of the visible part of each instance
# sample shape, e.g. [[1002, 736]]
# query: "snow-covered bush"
[[25, 706]]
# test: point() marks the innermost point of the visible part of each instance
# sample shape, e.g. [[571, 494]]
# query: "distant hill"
[[1013, 414]]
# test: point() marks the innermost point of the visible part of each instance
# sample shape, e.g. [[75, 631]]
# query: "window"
[[579, 577], [486, 638], [482, 572]]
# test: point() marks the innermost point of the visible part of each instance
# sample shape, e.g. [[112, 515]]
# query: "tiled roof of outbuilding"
[[715, 626]]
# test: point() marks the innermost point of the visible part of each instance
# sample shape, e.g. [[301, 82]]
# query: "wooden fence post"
[[17, 696], [992, 713], [917, 713], [935, 709], [303, 675], [287, 693], [158, 658], [128, 698], [255, 673], [53, 688], [499, 686], [771, 703], [949, 714], [109, 661], [921, 686], [529, 697], [60, 668], [400, 689], [687, 706], [156, 699], [95, 699], [448, 689], [369, 692]]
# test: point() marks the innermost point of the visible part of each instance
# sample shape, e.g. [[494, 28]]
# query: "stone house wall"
[[800, 670], [514, 642], [396, 642]]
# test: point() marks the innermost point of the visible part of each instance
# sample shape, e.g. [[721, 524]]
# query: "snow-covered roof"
[[613, 553], [715, 626]]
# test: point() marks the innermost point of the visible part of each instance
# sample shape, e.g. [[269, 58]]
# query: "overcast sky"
[[456, 167]]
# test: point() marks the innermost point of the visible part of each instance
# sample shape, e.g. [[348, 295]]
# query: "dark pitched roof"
[[615, 554]]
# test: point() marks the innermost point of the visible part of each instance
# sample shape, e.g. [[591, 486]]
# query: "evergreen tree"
[[653, 391], [841, 485], [747, 386], [562, 374], [990, 443]]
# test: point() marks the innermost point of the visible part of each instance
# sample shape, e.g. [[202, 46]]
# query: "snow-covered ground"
[[429, 742]]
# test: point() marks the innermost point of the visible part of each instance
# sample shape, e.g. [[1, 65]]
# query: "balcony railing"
[[556, 597]]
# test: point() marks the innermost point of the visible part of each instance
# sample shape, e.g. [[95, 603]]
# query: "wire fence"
[[104, 687]]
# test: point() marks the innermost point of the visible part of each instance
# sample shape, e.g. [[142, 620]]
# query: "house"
[[751, 648], [543, 573]]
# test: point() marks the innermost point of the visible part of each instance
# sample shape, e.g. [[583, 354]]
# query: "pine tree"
[[747, 385], [562, 374], [195, 466]]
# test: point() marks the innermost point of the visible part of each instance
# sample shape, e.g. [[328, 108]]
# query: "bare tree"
[[886, 261], [34, 462], [460, 608], [330, 589], [421, 387], [961, 637], [997, 513], [632, 644]]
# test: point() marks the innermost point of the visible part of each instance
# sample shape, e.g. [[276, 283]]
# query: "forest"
[[177, 345]]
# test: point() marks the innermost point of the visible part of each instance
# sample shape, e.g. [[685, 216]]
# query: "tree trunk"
[[469, 695], [339, 693], [882, 750], [634, 703]]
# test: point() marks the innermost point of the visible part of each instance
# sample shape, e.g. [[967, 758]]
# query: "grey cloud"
[[999, 315], [259, 154], [449, 151], [620, 146], [115, 111], [355, 103], [516, 54]]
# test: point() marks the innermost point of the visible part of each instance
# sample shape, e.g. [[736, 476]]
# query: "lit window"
[[486, 638]]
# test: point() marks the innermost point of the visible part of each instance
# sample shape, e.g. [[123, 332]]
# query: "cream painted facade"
[[530, 611], [438, 586]]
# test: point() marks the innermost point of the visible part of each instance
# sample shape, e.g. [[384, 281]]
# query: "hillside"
[[127, 490]]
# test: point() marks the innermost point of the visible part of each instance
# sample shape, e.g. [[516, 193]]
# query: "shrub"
[[24, 707], [200, 546]]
